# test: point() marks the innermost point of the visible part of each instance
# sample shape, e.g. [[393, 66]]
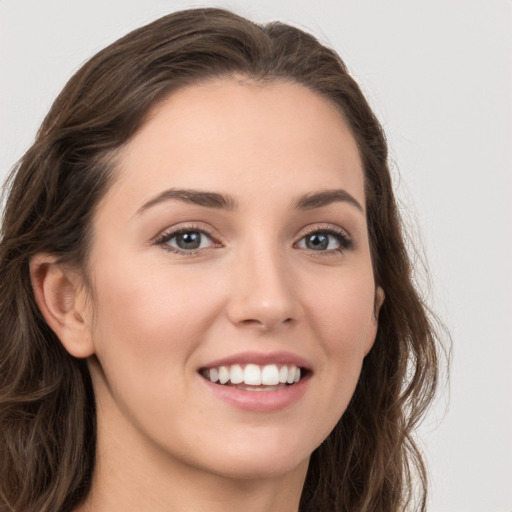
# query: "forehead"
[[237, 137]]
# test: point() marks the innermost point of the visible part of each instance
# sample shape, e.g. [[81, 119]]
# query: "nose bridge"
[[262, 288]]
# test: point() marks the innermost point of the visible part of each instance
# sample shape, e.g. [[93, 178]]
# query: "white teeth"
[[223, 375], [291, 374], [214, 374], [254, 375], [270, 375], [236, 374]]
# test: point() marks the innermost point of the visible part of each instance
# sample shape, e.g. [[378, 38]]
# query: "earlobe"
[[61, 298], [372, 331], [379, 300]]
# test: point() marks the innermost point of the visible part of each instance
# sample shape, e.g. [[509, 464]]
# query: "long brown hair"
[[47, 411]]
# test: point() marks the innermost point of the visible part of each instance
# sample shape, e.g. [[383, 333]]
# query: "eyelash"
[[164, 239], [341, 236]]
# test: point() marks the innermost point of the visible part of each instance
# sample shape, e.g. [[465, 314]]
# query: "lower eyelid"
[[344, 240], [165, 237]]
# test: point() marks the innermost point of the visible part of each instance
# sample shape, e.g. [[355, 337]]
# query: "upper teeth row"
[[254, 375]]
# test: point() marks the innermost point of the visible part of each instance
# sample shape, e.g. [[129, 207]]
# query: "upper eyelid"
[[345, 239], [325, 227], [168, 233], [162, 240], [171, 231]]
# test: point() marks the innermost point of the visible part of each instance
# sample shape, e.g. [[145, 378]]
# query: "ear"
[[374, 323], [379, 300], [62, 299]]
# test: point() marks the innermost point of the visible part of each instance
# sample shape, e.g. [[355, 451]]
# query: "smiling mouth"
[[253, 377]]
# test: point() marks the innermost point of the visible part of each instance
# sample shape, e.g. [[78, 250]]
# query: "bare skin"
[[235, 229]]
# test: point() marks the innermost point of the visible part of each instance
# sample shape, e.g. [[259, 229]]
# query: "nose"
[[263, 294]]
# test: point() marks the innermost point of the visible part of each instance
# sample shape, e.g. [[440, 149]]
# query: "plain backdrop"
[[439, 76]]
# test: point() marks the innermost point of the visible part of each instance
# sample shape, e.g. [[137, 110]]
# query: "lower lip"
[[259, 401]]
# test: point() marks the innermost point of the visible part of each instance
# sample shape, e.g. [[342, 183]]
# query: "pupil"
[[190, 240], [317, 242]]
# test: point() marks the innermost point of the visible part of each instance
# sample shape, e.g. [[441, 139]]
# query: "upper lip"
[[261, 359]]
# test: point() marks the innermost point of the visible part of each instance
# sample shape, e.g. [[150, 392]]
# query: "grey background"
[[439, 76]]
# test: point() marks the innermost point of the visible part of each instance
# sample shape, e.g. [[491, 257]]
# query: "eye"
[[186, 240], [327, 240]]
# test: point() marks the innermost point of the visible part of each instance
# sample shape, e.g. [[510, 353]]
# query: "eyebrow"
[[326, 197], [224, 201], [197, 197]]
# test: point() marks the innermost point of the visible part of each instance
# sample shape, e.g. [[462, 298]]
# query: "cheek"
[[344, 315], [149, 315], [342, 318], [148, 327]]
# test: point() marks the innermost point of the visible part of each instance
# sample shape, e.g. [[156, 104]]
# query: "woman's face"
[[233, 244]]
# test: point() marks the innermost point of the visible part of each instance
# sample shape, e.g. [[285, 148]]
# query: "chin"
[[262, 469], [263, 458]]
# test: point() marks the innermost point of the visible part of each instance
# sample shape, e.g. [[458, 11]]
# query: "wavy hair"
[[47, 410]]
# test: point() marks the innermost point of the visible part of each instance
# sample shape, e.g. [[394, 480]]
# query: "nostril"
[[251, 321], [264, 324]]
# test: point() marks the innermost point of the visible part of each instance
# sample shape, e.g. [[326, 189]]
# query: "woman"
[[206, 300]]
